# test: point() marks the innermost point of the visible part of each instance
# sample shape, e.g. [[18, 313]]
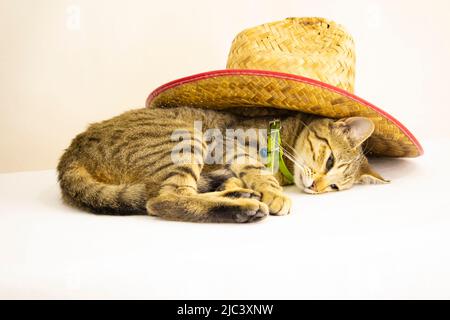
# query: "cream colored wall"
[[66, 63]]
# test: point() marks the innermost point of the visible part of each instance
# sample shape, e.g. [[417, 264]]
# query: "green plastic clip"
[[275, 151]]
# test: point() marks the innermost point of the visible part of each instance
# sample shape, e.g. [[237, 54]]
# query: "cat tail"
[[81, 189]]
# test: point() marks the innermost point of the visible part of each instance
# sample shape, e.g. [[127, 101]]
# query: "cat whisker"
[[293, 153], [293, 159], [304, 124]]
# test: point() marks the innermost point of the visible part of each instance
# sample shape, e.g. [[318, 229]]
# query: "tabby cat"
[[125, 165]]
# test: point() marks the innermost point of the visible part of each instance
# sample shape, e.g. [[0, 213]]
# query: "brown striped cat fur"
[[124, 165]]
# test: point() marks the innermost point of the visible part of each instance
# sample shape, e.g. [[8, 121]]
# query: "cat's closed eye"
[[330, 162]]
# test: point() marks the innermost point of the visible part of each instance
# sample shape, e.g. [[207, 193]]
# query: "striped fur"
[[124, 166]]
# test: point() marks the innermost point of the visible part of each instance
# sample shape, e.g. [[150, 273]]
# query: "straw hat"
[[302, 64]]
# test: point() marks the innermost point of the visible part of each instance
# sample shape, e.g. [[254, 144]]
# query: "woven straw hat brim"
[[231, 88]]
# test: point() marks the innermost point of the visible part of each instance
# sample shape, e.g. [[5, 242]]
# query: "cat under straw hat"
[[302, 64]]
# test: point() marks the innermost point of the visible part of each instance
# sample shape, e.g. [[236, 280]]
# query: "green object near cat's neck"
[[275, 151]]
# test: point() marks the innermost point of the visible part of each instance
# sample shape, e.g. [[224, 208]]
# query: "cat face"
[[331, 155]]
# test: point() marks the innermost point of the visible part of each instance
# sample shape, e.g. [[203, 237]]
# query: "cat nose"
[[313, 186]]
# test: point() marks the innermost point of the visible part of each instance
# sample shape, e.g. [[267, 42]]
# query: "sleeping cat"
[[125, 165]]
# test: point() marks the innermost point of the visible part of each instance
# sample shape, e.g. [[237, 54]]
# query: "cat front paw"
[[278, 203], [241, 193], [250, 210]]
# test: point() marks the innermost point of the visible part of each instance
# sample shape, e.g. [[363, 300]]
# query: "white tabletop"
[[384, 241]]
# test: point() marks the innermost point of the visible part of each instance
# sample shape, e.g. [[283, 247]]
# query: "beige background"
[[66, 63]]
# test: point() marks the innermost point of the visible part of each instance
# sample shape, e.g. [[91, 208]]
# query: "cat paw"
[[278, 203], [241, 193], [252, 211]]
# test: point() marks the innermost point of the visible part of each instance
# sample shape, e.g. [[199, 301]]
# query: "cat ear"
[[369, 176], [358, 129]]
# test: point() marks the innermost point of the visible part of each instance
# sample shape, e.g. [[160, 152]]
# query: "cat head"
[[332, 157]]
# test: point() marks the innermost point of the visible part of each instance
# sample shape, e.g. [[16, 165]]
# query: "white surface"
[[389, 241]]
